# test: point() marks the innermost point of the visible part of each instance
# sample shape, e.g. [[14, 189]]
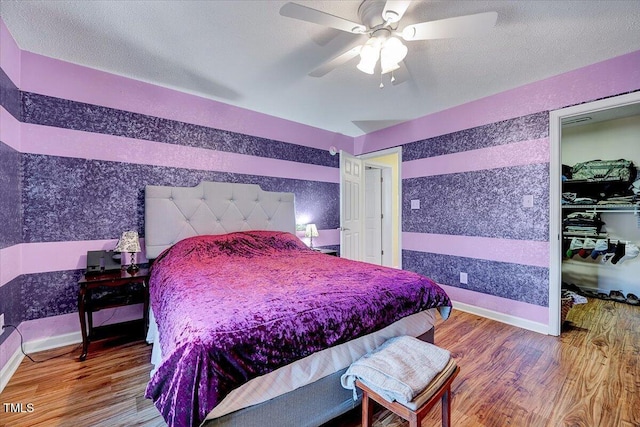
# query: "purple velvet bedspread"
[[233, 307]]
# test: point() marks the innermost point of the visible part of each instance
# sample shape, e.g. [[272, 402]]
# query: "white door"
[[351, 202], [373, 215]]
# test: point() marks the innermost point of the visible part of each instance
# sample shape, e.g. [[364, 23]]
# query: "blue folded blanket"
[[397, 370]]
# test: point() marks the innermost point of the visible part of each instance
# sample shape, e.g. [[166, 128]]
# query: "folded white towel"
[[399, 369]]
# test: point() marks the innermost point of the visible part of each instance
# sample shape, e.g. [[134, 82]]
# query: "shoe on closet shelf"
[[632, 299], [630, 251], [617, 296]]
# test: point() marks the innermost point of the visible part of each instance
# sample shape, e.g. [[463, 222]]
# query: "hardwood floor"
[[590, 376]]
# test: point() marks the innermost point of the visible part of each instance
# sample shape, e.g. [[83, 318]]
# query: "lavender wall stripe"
[[512, 281], [525, 252], [498, 304], [68, 199], [480, 203], [10, 203], [533, 126], [56, 112], [10, 96]]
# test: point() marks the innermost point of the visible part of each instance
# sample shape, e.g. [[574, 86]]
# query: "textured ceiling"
[[246, 54]]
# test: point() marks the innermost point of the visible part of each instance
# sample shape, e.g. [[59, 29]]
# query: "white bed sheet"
[[307, 370]]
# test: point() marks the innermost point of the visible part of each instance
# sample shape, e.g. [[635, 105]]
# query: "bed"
[[252, 328]]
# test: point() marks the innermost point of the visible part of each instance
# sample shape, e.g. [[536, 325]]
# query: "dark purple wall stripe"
[[484, 203], [63, 113], [34, 296], [10, 197], [49, 294], [533, 126], [10, 96], [67, 199], [511, 281], [11, 305]]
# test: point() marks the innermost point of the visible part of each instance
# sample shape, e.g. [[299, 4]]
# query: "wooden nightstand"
[[110, 289]]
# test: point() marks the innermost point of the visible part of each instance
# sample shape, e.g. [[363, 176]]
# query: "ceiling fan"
[[380, 22]]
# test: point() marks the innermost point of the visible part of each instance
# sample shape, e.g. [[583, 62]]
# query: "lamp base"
[[133, 268]]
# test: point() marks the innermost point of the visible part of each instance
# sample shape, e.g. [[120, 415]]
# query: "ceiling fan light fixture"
[[369, 55], [368, 67], [387, 68], [391, 54], [382, 45]]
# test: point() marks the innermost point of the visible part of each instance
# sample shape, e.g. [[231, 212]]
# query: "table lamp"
[[311, 232], [129, 243]]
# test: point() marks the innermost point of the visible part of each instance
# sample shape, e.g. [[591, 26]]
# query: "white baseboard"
[[35, 346], [502, 318], [10, 368], [53, 342]]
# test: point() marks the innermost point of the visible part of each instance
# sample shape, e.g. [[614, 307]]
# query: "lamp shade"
[[128, 242], [392, 52], [369, 55], [311, 231]]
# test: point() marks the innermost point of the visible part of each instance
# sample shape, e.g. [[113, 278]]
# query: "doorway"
[[380, 227], [556, 119]]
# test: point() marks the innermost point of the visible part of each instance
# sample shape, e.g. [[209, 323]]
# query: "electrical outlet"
[[1, 322], [463, 278]]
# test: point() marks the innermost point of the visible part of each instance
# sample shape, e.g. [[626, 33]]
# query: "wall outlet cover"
[[415, 204], [464, 278]]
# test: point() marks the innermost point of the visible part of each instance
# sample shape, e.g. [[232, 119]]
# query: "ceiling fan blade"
[[304, 13], [461, 26], [336, 62], [394, 10]]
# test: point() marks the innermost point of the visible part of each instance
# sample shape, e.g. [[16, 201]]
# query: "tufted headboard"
[[175, 213]]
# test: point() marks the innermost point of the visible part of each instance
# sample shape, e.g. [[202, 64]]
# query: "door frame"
[[555, 193], [377, 199], [396, 173]]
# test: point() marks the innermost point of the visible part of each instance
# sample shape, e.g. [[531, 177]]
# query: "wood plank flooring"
[[590, 376]]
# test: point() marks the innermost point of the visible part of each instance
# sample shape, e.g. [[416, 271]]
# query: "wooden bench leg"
[[446, 407], [414, 417], [367, 410]]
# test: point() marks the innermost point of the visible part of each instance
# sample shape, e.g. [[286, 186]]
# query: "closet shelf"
[[631, 208], [571, 234]]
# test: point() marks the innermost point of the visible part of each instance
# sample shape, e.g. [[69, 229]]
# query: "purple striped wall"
[[476, 193], [63, 113], [10, 195], [78, 147], [470, 167], [81, 84]]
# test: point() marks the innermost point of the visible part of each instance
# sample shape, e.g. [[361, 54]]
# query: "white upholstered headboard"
[[175, 213]]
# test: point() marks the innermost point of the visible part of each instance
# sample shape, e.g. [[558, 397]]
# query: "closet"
[[606, 221]]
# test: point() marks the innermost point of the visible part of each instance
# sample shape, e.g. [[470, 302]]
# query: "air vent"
[[575, 120]]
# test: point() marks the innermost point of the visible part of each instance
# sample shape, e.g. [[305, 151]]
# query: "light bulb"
[[369, 55], [392, 52]]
